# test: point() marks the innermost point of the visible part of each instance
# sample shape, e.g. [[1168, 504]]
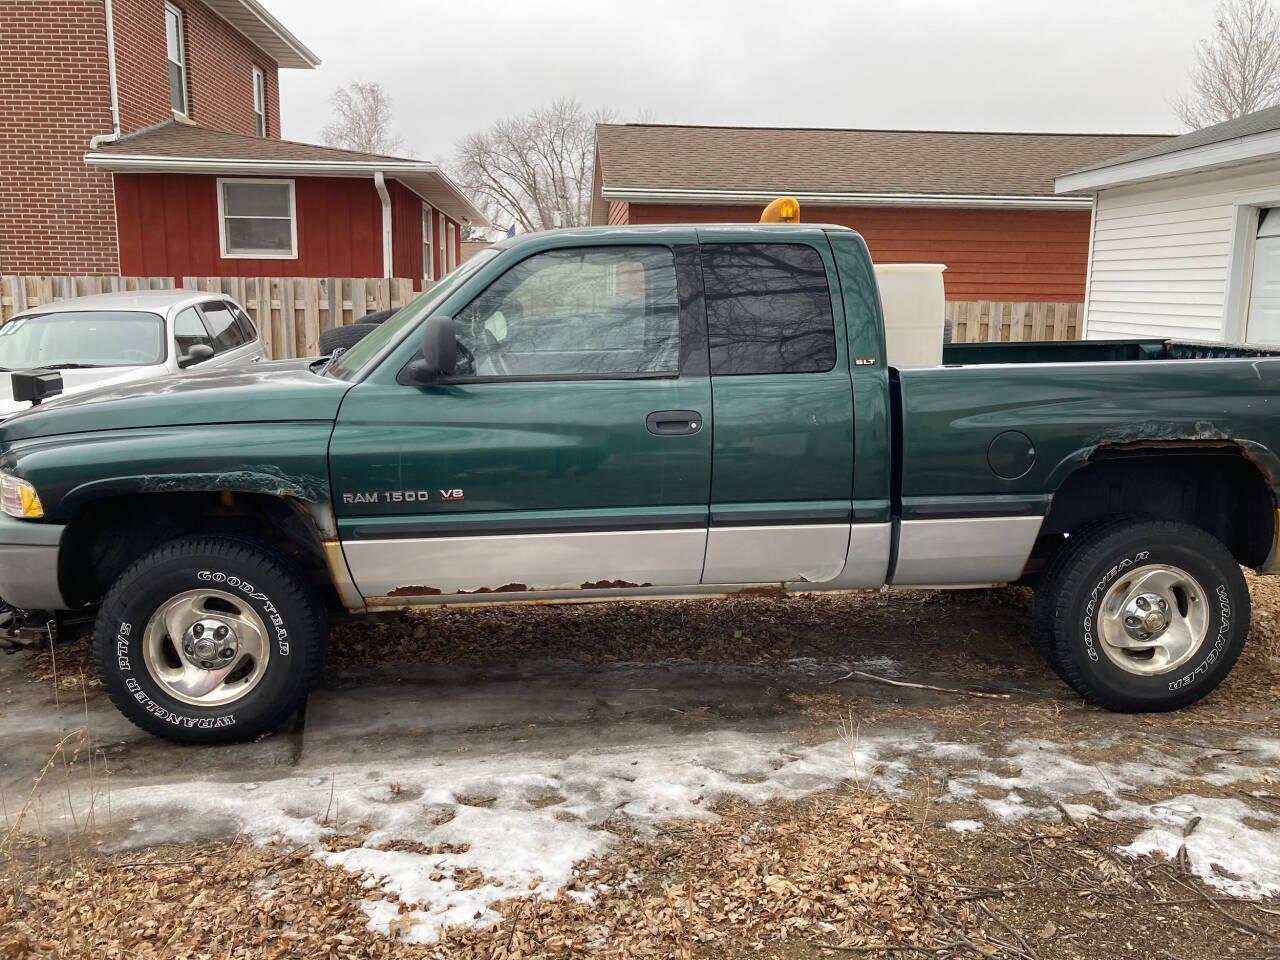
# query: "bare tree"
[[362, 119], [1237, 70], [533, 170]]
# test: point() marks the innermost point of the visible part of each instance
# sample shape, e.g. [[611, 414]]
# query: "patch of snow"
[[513, 824], [1224, 851], [886, 666], [965, 826]]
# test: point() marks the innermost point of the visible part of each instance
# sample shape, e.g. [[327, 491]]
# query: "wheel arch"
[[1226, 487], [109, 530]]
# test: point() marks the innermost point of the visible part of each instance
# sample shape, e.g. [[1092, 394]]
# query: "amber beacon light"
[[782, 210]]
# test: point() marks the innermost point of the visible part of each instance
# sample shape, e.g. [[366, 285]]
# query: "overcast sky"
[[453, 67]]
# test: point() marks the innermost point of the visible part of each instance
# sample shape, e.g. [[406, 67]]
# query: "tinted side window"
[[188, 330], [222, 324], [598, 311], [768, 309], [242, 319]]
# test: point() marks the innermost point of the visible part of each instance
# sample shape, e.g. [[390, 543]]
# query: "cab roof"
[[661, 231], [149, 301]]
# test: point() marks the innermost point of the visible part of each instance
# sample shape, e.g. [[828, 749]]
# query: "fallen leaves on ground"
[[851, 869]]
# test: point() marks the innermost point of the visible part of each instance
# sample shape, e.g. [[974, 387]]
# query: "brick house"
[[142, 137], [981, 203]]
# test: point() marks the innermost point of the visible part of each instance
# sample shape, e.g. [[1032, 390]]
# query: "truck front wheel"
[[208, 640], [1143, 615]]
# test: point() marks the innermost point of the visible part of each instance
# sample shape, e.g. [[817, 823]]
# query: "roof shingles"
[[187, 140], [799, 160]]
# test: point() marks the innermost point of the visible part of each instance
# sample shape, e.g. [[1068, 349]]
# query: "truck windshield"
[[89, 338], [350, 362]]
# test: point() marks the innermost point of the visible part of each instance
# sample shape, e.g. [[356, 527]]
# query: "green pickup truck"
[[644, 412]]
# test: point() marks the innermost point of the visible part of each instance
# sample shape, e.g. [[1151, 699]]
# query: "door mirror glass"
[[439, 350], [196, 353]]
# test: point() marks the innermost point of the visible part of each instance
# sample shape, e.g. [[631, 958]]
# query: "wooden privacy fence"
[[982, 321], [290, 311]]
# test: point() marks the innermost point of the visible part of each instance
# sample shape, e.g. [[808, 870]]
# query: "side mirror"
[[439, 351], [197, 353]]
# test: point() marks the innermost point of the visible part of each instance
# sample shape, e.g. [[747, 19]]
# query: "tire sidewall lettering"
[[272, 614], [1097, 593], [1224, 617]]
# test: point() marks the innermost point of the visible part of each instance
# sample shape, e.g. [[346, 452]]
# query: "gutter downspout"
[[111, 83], [380, 183]]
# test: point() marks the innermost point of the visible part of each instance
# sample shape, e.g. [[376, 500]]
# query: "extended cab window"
[[768, 309], [600, 311]]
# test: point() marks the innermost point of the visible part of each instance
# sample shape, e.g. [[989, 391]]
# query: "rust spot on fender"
[[414, 591], [767, 590], [255, 479], [505, 588], [613, 585]]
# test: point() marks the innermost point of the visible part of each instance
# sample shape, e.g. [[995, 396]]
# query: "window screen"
[[599, 311], [257, 218], [768, 309], [222, 325]]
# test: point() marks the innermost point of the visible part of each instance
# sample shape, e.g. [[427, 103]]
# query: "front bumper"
[[29, 564]]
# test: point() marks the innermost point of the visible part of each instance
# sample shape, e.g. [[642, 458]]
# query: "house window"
[[260, 101], [428, 267], [451, 250], [175, 46], [257, 219]]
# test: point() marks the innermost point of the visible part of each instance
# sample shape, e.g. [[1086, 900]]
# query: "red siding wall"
[[991, 254], [406, 232], [55, 213], [168, 226], [220, 66]]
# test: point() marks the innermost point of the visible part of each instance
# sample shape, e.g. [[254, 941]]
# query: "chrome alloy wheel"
[[206, 647], [1153, 619]]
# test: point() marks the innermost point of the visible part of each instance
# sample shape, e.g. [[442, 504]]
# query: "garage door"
[[1264, 294]]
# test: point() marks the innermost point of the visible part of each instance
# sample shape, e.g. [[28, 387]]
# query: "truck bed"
[[989, 439], [1093, 351]]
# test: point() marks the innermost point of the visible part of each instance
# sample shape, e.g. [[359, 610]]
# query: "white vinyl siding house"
[[1174, 241]]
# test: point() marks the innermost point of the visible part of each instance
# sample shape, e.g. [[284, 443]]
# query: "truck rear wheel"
[[209, 640], [1143, 615]]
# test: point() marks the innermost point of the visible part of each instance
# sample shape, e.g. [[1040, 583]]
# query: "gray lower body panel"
[[811, 553], [29, 564], [526, 563], [976, 550]]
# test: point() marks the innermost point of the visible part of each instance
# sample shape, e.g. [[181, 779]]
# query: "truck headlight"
[[19, 498]]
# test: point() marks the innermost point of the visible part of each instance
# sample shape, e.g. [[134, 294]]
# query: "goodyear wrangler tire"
[[209, 640], [1144, 615]]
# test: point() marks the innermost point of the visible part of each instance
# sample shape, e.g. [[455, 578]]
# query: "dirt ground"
[[739, 776]]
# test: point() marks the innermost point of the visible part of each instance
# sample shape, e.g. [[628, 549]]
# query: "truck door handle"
[[673, 423]]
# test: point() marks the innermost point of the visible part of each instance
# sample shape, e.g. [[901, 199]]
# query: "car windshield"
[[89, 338], [350, 362]]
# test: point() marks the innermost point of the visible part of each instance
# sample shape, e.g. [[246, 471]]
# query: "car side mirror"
[[196, 353], [439, 351]]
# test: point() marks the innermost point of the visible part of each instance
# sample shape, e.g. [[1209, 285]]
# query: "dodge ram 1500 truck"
[[644, 412]]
